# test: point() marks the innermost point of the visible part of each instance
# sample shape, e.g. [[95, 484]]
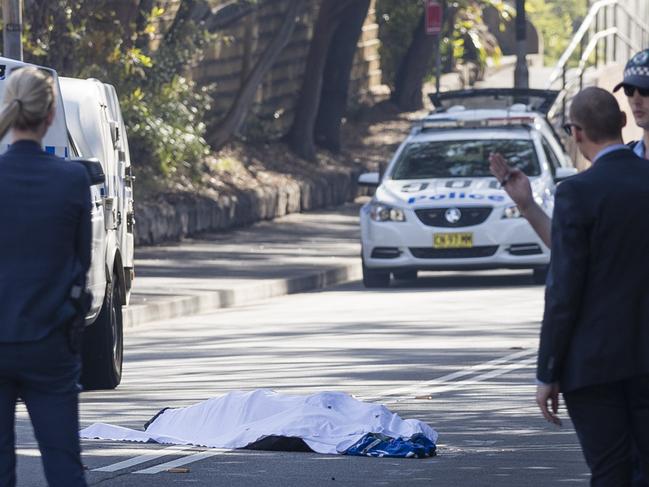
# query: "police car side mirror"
[[370, 179], [94, 169], [564, 173]]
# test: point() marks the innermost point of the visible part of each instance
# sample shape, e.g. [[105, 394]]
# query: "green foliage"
[[556, 21], [464, 36], [167, 130], [163, 110]]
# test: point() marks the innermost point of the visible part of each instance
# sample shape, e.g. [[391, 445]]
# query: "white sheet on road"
[[329, 422]]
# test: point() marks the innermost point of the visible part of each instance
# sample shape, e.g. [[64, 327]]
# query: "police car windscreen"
[[462, 158]]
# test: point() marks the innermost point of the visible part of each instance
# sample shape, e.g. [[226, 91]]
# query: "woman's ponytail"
[[28, 99], [8, 116]]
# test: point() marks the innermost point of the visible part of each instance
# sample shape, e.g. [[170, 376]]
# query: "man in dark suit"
[[44, 257], [517, 185], [595, 332]]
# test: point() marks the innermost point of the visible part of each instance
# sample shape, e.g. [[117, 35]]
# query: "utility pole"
[[12, 18], [521, 75]]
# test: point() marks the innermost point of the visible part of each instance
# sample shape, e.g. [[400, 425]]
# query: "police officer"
[[44, 258], [636, 89]]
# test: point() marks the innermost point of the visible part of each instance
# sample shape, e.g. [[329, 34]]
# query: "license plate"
[[452, 240]]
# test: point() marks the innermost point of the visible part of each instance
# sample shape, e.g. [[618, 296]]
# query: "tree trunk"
[[183, 15], [126, 11], [409, 81], [301, 137], [141, 19], [233, 120], [336, 76]]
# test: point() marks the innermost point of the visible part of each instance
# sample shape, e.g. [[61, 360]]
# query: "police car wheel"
[[103, 344], [409, 275], [539, 275], [374, 278]]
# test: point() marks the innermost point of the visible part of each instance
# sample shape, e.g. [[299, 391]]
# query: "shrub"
[[556, 21], [163, 109]]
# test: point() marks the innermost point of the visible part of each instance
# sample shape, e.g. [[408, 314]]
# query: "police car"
[[437, 206]]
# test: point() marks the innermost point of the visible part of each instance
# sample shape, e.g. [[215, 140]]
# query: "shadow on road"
[[455, 281], [469, 280]]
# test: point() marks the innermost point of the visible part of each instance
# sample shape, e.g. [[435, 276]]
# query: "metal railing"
[[578, 78], [599, 33]]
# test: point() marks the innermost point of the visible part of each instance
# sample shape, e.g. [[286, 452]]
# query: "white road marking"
[[483, 377], [146, 457], [184, 461], [422, 386]]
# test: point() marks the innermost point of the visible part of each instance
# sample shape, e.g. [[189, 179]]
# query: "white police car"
[[437, 206]]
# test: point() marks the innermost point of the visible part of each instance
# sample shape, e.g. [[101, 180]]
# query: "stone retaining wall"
[[171, 217]]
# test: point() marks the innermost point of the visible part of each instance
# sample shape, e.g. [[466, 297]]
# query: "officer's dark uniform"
[[44, 251]]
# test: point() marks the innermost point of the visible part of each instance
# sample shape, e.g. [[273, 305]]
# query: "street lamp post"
[[521, 75], [12, 17]]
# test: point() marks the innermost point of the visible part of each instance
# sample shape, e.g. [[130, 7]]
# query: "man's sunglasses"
[[568, 127], [630, 90]]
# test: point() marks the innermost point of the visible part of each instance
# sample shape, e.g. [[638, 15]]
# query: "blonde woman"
[[44, 254]]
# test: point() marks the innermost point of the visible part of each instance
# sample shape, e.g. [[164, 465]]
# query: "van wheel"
[[103, 344], [409, 275], [374, 278], [540, 274]]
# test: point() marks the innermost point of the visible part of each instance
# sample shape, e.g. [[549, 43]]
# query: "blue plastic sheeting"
[[378, 445]]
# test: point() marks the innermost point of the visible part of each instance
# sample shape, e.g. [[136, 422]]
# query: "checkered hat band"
[[637, 71]]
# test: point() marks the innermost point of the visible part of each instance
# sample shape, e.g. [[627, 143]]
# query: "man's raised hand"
[[514, 181]]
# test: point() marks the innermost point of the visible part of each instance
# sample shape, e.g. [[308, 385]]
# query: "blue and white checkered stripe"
[[637, 71], [57, 150]]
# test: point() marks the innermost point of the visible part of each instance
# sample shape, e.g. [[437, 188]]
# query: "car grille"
[[471, 215], [473, 252]]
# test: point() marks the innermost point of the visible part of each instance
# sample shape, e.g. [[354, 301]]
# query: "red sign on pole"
[[433, 17]]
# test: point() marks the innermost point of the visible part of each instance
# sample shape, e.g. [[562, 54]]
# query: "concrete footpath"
[[297, 253]]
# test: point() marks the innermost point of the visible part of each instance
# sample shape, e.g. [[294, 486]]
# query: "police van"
[[437, 206], [88, 126]]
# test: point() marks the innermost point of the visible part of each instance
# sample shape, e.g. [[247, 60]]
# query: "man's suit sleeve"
[[566, 281]]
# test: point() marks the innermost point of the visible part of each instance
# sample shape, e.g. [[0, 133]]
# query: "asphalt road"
[[454, 350]]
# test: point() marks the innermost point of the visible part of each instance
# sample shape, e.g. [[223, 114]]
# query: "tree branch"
[[229, 14], [233, 120]]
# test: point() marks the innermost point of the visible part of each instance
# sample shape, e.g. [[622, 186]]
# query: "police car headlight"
[[380, 212], [511, 212]]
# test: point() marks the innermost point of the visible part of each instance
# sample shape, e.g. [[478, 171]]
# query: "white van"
[[91, 126]]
